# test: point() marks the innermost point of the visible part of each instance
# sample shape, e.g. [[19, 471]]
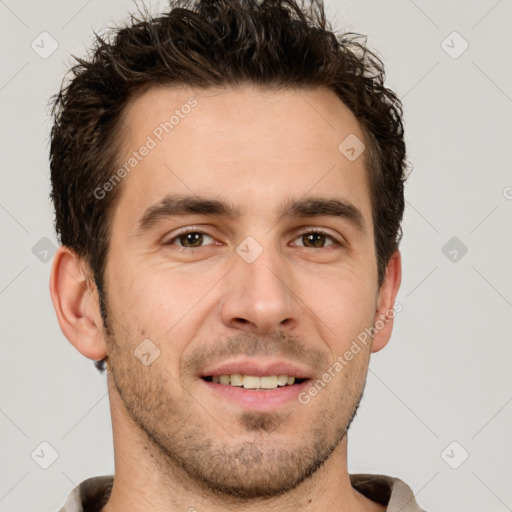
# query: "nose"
[[260, 296]]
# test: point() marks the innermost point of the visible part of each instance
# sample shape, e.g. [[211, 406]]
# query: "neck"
[[145, 479]]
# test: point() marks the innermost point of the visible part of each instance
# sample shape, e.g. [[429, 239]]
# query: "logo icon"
[[44, 45], [351, 147], [454, 249], [249, 249], [44, 455], [454, 45], [454, 455], [146, 352], [44, 249]]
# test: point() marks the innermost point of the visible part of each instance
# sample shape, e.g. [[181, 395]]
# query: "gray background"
[[444, 377]]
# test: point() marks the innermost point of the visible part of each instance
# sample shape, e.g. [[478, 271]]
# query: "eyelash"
[[302, 233]]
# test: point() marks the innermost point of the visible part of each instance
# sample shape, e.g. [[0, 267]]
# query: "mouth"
[[255, 382]]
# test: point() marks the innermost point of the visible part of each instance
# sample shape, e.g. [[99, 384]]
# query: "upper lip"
[[256, 367]]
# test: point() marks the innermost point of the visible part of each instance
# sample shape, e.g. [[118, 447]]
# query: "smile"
[[254, 382]]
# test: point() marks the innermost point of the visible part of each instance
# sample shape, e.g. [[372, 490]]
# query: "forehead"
[[315, 118], [249, 145]]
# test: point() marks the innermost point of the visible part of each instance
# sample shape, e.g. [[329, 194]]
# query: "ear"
[[385, 313], [76, 303]]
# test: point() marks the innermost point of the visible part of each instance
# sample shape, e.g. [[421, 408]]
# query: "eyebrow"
[[173, 205]]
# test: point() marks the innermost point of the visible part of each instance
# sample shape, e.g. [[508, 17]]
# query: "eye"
[[194, 239], [314, 239], [190, 239]]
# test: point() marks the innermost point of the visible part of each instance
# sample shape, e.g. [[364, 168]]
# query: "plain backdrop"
[[437, 409]]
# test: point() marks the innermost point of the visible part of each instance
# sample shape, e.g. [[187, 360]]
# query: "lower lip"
[[256, 400]]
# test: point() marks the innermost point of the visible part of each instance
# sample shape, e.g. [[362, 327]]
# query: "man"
[[228, 185]]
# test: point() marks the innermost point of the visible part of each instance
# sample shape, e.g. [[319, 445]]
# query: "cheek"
[[156, 302], [344, 308]]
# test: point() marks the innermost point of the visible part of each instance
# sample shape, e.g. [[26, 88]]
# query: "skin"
[[177, 445]]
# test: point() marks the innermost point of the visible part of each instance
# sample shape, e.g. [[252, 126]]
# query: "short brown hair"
[[210, 43]]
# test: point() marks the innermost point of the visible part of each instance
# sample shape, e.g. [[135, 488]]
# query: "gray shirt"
[[93, 494]]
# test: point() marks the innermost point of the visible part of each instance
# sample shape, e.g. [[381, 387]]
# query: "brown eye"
[[316, 239], [189, 239]]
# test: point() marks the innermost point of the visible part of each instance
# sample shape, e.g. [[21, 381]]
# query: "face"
[[259, 282]]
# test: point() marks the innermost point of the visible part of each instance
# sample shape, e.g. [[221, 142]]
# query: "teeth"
[[254, 382], [251, 382], [268, 382], [282, 380], [236, 380]]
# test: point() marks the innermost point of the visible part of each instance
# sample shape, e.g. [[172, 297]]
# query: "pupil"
[[310, 237], [191, 237]]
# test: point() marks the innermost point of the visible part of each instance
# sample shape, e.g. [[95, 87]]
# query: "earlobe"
[[384, 316], [76, 304]]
